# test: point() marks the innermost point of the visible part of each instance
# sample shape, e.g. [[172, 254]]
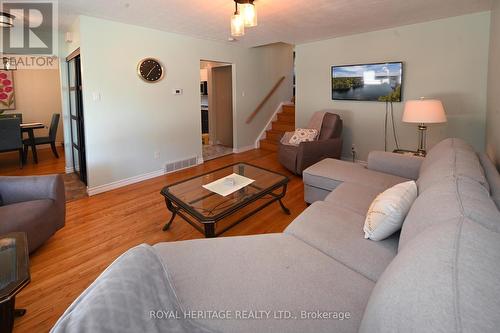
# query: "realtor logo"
[[34, 29]]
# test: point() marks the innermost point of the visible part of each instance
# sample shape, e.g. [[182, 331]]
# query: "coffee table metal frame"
[[178, 207]]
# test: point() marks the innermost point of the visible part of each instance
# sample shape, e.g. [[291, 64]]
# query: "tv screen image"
[[380, 82]]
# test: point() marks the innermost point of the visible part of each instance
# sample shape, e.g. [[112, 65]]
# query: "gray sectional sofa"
[[441, 273]]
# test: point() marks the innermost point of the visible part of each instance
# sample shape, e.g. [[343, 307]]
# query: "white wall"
[[445, 59], [134, 119], [493, 115]]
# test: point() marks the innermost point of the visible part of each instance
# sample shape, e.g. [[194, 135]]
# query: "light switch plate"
[[177, 91]]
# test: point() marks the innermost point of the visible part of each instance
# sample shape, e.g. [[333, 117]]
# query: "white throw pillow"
[[388, 211], [303, 135]]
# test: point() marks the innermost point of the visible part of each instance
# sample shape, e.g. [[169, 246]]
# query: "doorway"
[[216, 88], [76, 116]]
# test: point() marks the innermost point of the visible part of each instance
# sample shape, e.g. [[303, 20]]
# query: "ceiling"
[[289, 21]]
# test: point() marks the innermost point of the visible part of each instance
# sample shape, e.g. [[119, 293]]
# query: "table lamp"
[[422, 112]]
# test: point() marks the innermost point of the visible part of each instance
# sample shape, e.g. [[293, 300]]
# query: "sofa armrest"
[[395, 164], [21, 189], [312, 152]]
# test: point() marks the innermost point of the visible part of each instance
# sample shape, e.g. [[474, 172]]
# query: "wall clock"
[[150, 70]]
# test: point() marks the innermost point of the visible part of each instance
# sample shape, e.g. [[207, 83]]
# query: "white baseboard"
[[70, 169], [121, 183], [91, 191], [244, 149]]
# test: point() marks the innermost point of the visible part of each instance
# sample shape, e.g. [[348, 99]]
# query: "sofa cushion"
[[388, 211], [330, 173], [455, 159], [264, 273], [441, 148], [447, 200], [445, 280], [338, 232], [355, 197], [492, 176]]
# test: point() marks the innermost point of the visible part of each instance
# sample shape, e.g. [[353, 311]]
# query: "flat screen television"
[[381, 82]]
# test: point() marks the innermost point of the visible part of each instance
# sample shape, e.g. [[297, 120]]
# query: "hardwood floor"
[[47, 163], [100, 228]]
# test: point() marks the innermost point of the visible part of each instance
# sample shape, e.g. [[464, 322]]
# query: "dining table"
[[30, 129]]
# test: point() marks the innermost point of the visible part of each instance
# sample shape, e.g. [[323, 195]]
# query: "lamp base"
[[421, 153], [422, 140]]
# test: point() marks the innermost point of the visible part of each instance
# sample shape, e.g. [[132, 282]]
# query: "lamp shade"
[[424, 111]]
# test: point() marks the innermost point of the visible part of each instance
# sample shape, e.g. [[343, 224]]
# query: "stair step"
[[286, 117], [289, 108], [268, 145], [274, 135], [283, 126]]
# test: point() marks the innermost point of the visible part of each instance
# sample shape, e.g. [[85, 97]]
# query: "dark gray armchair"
[[10, 137], [34, 205], [328, 145]]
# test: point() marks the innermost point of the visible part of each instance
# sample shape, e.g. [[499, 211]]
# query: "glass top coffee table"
[[203, 209], [14, 276]]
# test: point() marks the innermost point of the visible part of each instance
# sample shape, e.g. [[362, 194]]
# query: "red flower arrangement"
[[6, 91]]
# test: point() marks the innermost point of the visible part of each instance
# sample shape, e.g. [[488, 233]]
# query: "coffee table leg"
[[209, 230], [171, 208], [7, 314], [283, 193]]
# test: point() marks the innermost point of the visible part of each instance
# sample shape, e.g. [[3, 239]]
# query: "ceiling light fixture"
[[6, 20], [249, 14], [246, 17], [237, 23]]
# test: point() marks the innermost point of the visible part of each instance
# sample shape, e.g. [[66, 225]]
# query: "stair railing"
[[264, 101]]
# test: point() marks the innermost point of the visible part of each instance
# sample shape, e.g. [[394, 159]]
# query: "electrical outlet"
[[157, 155]]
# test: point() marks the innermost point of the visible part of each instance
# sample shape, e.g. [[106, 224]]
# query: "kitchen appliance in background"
[[204, 88]]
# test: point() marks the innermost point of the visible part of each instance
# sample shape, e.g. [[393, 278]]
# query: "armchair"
[[328, 145], [34, 205]]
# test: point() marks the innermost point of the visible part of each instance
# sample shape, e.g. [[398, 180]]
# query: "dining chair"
[[44, 140], [10, 137]]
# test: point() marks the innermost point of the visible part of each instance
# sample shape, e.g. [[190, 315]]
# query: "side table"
[[408, 152]]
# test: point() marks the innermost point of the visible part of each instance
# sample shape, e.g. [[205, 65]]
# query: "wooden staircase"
[[284, 123]]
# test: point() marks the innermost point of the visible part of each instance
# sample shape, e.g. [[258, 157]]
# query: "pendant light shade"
[[6, 20], [249, 14], [245, 15], [237, 25]]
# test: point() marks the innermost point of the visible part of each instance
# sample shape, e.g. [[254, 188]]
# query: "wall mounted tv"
[[381, 82]]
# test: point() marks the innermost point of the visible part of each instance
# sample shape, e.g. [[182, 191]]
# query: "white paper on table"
[[220, 187]]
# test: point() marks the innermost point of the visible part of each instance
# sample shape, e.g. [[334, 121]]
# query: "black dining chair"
[[10, 137], [44, 140]]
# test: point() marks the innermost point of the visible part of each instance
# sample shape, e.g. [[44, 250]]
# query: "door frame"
[[235, 98], [79, 118]]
